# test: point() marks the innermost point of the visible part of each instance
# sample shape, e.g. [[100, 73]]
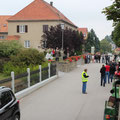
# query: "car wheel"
[[16, 117]]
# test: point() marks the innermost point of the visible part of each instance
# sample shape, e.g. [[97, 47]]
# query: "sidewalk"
[[63, 99]]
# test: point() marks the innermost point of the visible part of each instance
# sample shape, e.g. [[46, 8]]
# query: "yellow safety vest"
[[83, 78]]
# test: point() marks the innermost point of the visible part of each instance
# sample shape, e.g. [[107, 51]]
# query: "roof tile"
[[39, 10], [83, 30], [4, 23]]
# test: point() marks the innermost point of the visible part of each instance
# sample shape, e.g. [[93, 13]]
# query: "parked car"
[[9, 105]]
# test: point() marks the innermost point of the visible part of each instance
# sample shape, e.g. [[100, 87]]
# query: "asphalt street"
[[62, 99]]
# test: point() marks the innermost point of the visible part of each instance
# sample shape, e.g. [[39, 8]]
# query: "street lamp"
[[62, 27]]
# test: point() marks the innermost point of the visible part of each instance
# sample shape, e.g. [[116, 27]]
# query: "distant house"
[[84, 32], [117, 50], [29, 24], [3, 27]]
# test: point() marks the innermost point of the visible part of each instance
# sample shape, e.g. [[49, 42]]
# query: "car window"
[[5, 98]]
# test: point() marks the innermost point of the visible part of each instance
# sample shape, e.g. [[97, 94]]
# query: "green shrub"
[[78, 52], [45, 64], [9, 67], [1, 65], [28, 57], [2, 62], [9, 48]]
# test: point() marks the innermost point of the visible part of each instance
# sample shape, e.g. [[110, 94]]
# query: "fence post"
[[13, 81], [28, 78], [48, 70], [40, 73]]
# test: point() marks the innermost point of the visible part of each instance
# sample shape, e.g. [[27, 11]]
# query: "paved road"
[[63, 99]]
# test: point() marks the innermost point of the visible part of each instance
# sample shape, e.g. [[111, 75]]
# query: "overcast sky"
[[83, 13]]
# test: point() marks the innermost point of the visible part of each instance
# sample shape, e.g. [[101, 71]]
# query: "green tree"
[[112, 12], [105, 46], [89, 43], [72, 39], [92, 41], [116, 35], [109, 38]]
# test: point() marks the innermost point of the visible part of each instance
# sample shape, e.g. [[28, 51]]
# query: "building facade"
[[31, 22], [3, 27]]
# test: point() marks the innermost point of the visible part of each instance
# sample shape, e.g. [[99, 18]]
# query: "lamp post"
[[62, 27]]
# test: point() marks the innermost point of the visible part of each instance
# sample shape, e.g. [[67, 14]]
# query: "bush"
[[9, 48], [9, 67], [28, 57], [2, 62], [1, 65], [78, 52]]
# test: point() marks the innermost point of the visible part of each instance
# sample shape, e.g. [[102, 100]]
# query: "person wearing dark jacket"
[[102, 71], [112, 71]]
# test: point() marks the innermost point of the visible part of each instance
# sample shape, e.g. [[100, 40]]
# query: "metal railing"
[[30, 78]]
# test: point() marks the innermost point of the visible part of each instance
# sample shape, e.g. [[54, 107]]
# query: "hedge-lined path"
[[62, 99]]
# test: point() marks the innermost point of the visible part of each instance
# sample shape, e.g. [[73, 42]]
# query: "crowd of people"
[[50, 53], [57, 53], [98, 58], [108, 71]]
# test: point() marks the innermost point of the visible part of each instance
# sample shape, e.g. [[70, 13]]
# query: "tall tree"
[[53, 38], [92, 41], [109, 38], [112, 12], [116, 35], [89, 43], [105, 46]]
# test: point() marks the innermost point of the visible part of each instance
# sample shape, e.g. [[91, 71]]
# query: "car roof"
[[4, 88]]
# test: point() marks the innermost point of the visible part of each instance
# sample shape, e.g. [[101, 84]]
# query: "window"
[[45, 28], [2, 37], [22, 28], [5, 98], [27, 44], [5, 25]]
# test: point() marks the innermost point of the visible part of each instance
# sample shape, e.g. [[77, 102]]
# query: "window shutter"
[[45, 28], [26, 28], [17, 28]]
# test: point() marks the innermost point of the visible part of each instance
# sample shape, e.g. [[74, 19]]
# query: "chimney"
[[51, 3]]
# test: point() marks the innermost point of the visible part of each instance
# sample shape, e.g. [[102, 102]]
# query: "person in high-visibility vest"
[[84, 81]]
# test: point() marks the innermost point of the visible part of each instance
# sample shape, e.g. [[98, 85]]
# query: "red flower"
[[50, 60]]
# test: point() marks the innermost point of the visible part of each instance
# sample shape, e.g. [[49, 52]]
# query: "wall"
[[35, 31], [4, 34]]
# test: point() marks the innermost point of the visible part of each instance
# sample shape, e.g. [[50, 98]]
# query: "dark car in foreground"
[[9, 105]]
